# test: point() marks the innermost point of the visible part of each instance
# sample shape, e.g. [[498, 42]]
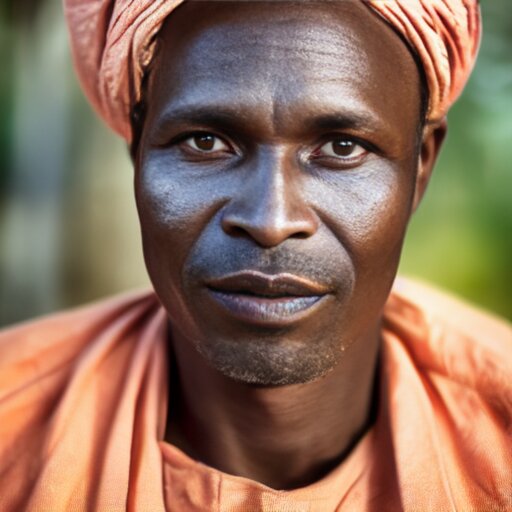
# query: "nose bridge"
[[269, 206], [274, 192]]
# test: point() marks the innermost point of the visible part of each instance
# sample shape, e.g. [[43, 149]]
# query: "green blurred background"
[[68, 226]]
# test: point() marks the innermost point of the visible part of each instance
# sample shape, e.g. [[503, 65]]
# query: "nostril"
[[236, 231], [267, 228]]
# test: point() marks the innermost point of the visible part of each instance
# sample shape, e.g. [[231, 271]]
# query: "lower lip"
[[268, 311]]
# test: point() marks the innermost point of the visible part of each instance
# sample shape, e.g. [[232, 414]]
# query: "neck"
[[284, 437]]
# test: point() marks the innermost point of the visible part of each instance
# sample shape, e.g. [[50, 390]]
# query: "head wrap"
[[113, 42]]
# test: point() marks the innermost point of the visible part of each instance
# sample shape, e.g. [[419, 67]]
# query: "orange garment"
[[83, 399], [112, 42]]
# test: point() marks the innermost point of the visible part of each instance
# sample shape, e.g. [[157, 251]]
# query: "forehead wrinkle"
[[321, 30], [289, 45], [262, 81], [272, 103]]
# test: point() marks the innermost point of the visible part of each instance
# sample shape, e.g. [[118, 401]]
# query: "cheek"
[[167, 202], [368, 211], [174, 209]]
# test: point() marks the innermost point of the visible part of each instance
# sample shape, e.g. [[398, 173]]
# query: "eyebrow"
[[356, 120], [208, 115], [233, 118]]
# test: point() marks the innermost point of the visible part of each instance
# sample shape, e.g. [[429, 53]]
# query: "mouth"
[[267, 300]]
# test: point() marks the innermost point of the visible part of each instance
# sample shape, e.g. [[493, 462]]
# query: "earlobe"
[[432, 140]]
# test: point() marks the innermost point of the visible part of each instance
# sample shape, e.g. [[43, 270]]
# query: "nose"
[[269, 207]]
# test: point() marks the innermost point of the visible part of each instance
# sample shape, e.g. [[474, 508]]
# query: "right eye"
[[206, 143]]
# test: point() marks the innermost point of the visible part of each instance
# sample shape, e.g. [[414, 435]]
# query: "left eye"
[[341, 148], [206, 143]]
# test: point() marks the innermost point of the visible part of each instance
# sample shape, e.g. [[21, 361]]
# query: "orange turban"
[[113, 42]]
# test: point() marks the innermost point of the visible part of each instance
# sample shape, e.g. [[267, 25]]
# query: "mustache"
[[328, 268]]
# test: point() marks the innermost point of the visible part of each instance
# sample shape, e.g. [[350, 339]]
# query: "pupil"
[[343, 147], [204, 142]]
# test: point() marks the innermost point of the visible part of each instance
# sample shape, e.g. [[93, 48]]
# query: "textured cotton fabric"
[[113, 43], [83, 406]]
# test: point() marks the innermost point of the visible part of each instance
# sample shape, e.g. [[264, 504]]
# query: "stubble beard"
[[262, 362]]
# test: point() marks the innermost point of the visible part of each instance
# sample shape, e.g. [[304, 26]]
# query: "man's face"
[[274, 181]]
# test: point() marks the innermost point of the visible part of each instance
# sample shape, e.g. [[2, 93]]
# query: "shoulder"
[[38, 345], [448, 336], [449, 367], [442, 309], [81, 316], [68, 381], [462, 355]]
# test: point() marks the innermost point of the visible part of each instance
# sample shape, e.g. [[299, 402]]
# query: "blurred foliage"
[[20, 12], [68, 226]]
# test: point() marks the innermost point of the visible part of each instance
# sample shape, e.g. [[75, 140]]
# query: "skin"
[[236, 169]]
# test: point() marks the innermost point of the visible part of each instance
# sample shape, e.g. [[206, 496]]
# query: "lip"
[[264, 299]]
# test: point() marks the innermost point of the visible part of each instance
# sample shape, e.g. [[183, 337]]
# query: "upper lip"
[[268, 285]]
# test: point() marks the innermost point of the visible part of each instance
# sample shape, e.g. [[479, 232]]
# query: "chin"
[[263, 362]]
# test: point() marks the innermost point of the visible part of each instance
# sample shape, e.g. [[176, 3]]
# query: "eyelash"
[[355, 142], [182, 140], [314, 155]]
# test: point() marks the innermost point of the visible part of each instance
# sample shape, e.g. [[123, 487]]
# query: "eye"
[[206, 143], [341, 148]]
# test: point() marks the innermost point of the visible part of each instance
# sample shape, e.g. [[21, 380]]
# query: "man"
[[280, 149]]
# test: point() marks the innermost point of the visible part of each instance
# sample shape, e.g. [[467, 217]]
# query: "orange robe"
[[83, 398]]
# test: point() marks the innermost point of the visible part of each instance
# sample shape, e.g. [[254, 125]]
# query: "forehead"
[[283, 60]]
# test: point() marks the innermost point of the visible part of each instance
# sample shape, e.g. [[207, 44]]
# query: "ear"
[[432, 140]]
